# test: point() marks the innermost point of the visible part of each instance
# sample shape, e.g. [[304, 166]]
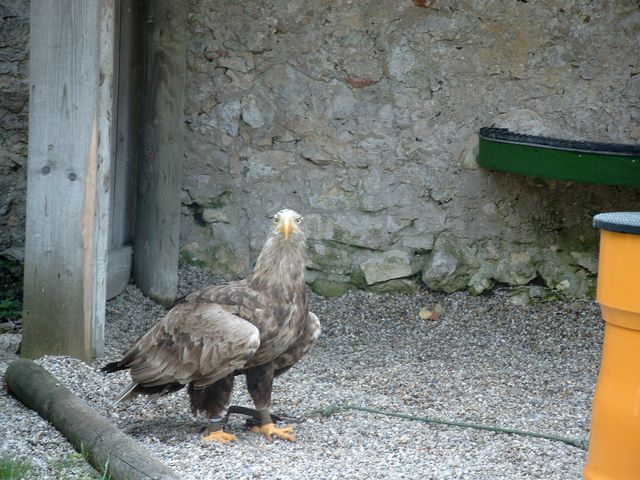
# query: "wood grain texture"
[[126, 82], [126, 85], [90, 433], [70, 105], [118, 270], [155, 262]]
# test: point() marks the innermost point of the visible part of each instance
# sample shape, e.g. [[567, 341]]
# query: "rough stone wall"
[[14, 38], [362, 115]]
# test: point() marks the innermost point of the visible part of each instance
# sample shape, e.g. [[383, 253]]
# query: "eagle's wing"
[[240, 299], [302, 345], [195, 342]]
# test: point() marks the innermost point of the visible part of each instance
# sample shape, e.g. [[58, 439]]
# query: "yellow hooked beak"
[[286, 226]]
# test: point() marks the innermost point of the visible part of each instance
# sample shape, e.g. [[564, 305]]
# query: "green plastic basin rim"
[[568, 160]]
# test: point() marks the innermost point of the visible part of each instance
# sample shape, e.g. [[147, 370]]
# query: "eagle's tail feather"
[[134, 389], [113, 367], [127, 394]]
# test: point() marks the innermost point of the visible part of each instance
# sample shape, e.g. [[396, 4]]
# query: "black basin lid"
[[504, 135], [623, 222]]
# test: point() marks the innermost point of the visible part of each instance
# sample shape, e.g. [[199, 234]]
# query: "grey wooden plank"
[[125, 120], [126, 81], [118, 270], [71, 60], [155, 261], [114, 194]]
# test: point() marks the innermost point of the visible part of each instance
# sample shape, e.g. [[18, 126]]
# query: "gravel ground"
[[484, 360]]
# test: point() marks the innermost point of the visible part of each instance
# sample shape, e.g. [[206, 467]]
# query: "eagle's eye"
[[275, 219], [298, 219]]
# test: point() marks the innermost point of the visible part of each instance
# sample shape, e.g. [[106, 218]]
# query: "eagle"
[[258, 327]]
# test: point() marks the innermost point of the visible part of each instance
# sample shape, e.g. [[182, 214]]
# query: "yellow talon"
[[269, 429], [220, 436]]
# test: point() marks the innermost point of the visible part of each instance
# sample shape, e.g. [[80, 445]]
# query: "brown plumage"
[[259, 326]]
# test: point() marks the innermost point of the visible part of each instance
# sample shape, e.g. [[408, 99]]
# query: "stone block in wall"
[[482, 280], [468, 159], [518, 268], [450, 265], [240, 63], [330, 288], [419, 243], [388, 265], [329, 257], [559, 274], [396, 286], [585, 260]]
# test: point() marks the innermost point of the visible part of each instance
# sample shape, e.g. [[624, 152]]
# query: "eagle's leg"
[[259, 382], [216, 432], [212, 400]]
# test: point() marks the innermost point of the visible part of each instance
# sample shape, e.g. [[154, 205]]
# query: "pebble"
[[485, 360]]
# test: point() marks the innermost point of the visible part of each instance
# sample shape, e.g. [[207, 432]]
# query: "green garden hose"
[[333, 409]]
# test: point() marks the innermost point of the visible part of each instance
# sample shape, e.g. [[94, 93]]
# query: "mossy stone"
[[329, 288], [398, 285]]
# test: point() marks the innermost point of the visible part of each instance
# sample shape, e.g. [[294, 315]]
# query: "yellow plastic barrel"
[[614, 446]]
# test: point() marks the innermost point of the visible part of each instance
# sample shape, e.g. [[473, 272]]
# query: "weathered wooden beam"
[[126, 85], [70, 104], [118, 270], [108, 449], [155, 262]]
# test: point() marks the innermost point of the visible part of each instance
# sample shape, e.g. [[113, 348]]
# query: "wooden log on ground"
[[105, 446]]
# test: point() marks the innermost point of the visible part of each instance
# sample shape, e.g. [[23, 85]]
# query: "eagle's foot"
[[219, 436], [270, 429]]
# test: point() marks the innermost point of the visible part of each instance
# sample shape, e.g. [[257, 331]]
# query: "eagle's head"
[[282, 261], [287, 223]]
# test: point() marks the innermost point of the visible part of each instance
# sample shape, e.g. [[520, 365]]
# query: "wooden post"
[[126, 85], [116, 455], [70, 104], [155, 262]]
